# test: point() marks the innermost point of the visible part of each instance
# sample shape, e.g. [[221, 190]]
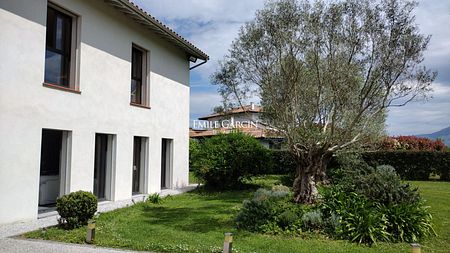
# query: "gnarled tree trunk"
[[310, 171]]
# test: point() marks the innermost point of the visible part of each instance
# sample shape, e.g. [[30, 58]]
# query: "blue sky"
[[213, 24]]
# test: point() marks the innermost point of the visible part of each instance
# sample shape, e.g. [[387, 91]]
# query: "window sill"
[[140, 105], [59, 87]]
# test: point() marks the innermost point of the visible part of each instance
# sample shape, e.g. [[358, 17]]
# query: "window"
[[139, 76], [60, 46]]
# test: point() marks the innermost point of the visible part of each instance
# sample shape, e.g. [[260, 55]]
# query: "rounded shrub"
[[76, 208], [312, 220], [225, 160], [270, 212]]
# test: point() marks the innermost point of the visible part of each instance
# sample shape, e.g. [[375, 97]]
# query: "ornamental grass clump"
[[374, 205]]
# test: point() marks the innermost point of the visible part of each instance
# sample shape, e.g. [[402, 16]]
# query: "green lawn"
[[196, 221], [437, 195]]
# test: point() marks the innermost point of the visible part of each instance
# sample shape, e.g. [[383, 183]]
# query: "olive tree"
[[326, 75]]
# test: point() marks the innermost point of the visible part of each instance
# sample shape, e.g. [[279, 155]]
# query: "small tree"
[[326, 74]]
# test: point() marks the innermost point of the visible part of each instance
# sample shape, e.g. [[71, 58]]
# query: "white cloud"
[[202, 10], [422, 117], [212, 26], [202, 103]]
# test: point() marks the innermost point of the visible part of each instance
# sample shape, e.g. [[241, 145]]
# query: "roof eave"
[[150, 22]]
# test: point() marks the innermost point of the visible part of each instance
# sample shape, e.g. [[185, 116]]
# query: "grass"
[[196, 221], [437, 195]]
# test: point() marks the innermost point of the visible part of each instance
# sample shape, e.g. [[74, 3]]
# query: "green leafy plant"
[[224, 161], [270, 212], [359, 218], [194, 147], [413, 165], [381, 184], [408, 222], [313, 220], [373, 205], [76, 209], [154, 198]]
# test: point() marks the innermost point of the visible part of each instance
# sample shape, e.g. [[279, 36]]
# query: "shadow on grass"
[[197, 219]]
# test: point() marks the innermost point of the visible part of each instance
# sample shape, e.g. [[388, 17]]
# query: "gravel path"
[[15, 245]]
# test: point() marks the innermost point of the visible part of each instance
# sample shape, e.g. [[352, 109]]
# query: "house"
[[94, 95], [246, 119]]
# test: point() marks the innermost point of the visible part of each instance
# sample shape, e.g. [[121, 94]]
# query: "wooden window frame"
[[145, 79], [73, 81]]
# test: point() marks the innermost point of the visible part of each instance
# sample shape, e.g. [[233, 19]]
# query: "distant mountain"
[[443, 134]]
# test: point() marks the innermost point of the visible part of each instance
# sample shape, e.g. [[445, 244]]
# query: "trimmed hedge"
[[233, 153], [410, 165]]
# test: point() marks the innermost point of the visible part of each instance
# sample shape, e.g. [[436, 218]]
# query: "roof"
[[262, 131], [245, 108], [255, 132], [142, 17]]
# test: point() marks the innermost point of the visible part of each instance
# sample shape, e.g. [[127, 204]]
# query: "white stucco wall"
[[26, 107]]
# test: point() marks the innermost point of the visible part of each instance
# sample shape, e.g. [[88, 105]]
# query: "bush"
[[154, 198], [225, 160], [194, 147], [359, 218], [412, 165], [270, 212], [413, 143], [374, 205], [282, 163], [346, 166], [381, 184], [313, 220], [76, 208], [408, 222]]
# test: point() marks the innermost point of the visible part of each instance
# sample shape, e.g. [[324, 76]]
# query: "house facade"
[[94, 96], [246, 119]]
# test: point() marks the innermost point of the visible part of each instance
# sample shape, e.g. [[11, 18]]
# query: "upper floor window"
[[60, 47], [139, 87]]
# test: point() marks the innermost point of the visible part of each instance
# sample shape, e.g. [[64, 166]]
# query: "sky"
[[212, 25]]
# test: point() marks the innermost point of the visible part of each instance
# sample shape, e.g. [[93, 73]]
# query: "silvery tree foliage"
[[326, 74]]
